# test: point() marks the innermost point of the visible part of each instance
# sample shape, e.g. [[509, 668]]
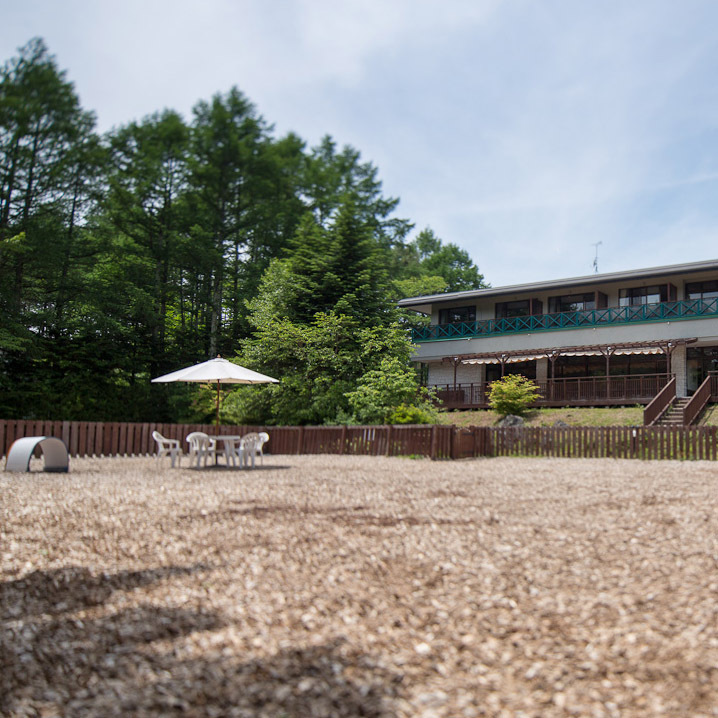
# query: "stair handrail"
[[660, 403], [714, 384], [697, 403]]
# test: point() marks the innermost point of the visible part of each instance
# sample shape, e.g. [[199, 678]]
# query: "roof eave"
[[423, 304]]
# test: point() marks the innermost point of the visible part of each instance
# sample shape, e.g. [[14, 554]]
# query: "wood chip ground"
[[361, 586]]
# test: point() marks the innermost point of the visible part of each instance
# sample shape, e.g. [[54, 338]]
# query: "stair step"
[[673, 416]]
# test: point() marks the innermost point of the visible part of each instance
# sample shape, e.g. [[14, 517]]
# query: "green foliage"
[[512, 394], [427, 257], [389, 394], [318, 364], [411, 414], [168, 241], [419, 286], [340, 267]]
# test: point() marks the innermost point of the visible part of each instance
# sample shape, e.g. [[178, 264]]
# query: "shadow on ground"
[[73, 588], [237, 470], [136, 661]]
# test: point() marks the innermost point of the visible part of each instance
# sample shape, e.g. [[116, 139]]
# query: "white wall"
[[678, 367], [443, 373]]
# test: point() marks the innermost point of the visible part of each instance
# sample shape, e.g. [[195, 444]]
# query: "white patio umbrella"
[[217, 370]]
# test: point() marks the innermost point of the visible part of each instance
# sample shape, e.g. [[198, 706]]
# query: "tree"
[[318, 364], [41, 122], [339, 268], [168, 241], [390, 393], [512, 394], [429, 258], [228, 146], [332, 176], [50, 160], [144, 202]]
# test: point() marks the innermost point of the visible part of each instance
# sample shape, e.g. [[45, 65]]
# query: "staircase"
[[673, 415]]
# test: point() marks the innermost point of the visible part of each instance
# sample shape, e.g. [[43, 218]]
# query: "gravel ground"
[[361, 586]]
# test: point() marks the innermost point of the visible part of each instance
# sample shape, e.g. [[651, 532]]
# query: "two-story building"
[[602, 339]]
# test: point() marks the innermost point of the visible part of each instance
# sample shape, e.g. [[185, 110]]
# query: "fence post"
[[343, 439], [434, 436], [389, 437], [300, 442]]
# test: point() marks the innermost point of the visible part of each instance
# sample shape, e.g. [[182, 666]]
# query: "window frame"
[[627, 296], [554, 303], [703, 293], [444, 314]]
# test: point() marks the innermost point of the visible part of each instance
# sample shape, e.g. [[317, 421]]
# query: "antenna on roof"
[[595, 258]]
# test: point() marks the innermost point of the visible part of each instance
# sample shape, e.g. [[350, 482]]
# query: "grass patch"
[[709, 417], [573, 416]]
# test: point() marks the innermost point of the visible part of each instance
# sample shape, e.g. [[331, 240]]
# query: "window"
[[636, 296], [572, 303], [702, 290], [506, 310], [456, 315]]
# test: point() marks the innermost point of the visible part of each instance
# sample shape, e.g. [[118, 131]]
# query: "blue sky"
[[524, 131]]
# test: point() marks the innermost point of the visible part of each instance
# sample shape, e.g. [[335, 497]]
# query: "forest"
[[170, 240]]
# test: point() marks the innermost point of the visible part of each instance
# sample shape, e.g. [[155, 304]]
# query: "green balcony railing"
[[665, 311]]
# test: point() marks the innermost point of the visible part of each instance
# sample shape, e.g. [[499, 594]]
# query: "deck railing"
[[578, 391], [661, 312]]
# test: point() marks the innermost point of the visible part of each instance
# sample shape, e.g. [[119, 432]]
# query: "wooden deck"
[[580, 391]]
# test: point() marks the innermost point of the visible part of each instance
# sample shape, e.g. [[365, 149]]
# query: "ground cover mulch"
[[361, 586]]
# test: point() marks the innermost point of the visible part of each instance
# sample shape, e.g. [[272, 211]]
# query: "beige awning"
[[645, 350], [507, 360], [510, 358]]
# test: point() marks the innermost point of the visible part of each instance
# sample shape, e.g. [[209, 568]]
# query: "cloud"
[[523, 131]]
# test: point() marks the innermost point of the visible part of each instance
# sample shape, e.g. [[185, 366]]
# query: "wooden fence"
[[612, 442], [436, 442], [84, 438]]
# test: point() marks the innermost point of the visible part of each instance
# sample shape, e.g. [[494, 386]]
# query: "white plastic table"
[[230, 442]]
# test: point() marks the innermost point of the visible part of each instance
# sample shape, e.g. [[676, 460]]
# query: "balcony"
[[610, 316]]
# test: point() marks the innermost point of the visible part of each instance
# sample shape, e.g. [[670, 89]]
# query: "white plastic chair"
[[247, 449], [168, 447], [201, 446], [263, 439]]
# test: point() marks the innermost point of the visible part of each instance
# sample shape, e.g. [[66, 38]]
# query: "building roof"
[[423, 304]]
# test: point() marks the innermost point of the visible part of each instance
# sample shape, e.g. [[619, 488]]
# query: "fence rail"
[[436, 442]]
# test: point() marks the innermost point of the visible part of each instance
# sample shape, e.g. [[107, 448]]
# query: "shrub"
[[409, 414], [512, 394], [382, 392]]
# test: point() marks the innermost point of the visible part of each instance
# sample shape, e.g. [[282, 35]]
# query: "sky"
[[538, 135]]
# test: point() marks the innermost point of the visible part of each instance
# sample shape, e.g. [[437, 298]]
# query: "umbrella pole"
[[217, 419]]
